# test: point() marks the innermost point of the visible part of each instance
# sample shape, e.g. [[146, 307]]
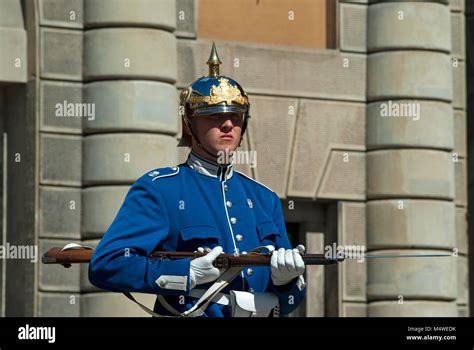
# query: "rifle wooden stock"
[[67, 257], [73, 256]]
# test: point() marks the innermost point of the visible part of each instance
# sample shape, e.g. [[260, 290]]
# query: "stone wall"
[[462, 217], [124, 63], [394, 184]]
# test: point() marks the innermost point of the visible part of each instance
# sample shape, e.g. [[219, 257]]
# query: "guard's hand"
[[286, 266], [202, 270]]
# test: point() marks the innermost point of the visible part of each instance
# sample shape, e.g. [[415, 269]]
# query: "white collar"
[[208, 168]]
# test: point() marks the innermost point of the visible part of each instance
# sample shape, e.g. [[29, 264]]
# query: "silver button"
[[162, 283], [233, 220], [244, 252], [239, 237], [228, 203], [249, 272], [225, 187], [251, 290], [174, 168]]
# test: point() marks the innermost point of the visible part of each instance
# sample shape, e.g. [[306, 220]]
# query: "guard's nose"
[[227, 124]]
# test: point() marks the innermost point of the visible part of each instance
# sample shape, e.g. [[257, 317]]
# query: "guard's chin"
[[227, 145]]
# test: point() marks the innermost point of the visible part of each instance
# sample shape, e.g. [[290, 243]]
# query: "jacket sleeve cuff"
[[290, 295], [172, 277]]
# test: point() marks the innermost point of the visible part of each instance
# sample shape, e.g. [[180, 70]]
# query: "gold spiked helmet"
[[212, 94]]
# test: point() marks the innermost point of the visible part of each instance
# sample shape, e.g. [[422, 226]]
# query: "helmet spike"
[[213, 62]]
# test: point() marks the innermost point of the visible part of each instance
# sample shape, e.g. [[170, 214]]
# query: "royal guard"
[[203, 205]]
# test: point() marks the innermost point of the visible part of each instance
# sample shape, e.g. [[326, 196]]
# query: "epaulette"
[[163, 172]]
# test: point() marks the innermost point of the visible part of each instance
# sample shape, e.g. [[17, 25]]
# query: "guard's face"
[[219, 132]]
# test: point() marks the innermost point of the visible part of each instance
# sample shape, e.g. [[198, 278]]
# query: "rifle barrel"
[[225, 260]]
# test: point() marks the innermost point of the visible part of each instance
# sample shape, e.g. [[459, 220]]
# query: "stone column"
[[130, 68], [350, 217], [410, 167], [458, 56], [60, 32], [469, 32]]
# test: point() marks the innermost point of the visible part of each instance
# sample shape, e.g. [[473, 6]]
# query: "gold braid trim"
[[225, 92]]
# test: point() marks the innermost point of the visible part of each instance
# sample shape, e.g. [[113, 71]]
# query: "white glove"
[[201, 269], [286, 266]]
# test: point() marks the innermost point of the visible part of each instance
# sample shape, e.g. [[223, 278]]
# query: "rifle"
[[74, 254], [79, 254]]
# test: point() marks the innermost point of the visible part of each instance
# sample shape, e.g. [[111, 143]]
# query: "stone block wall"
[[397, 184]]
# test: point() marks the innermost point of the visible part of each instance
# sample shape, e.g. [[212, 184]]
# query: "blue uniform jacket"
[[195, 204]]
